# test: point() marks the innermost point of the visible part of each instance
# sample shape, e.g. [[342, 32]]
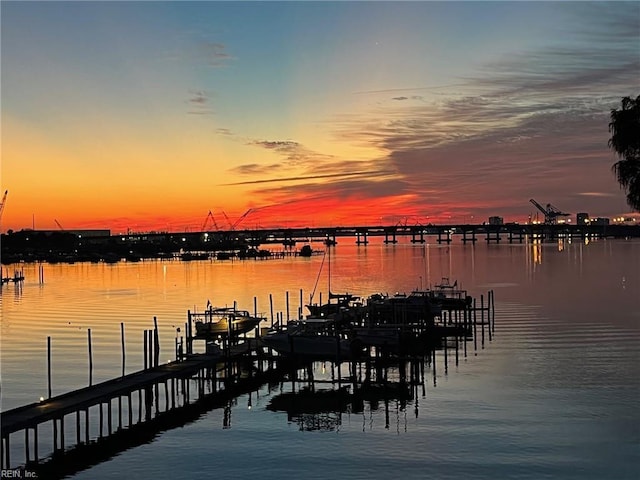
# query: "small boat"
[[448, 296], [223, 322], [417, 308], [344, 306], [311, 338]]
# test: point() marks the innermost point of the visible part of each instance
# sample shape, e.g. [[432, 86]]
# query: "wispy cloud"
[[214, 54], [258, 169], [199, 102]]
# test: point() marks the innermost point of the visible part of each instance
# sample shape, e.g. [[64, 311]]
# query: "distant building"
[[599, 221], [496, 221], [582, 218]]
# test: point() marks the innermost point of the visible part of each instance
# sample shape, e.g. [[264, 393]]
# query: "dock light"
[[42, 399]]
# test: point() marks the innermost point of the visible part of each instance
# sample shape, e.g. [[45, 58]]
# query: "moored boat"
[[311, 338], [448, 296], [223, 322]]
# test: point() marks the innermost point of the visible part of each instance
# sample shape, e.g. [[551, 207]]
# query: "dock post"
[[467, 313], [271, 306], [48, 367], [62, 433], [189, 334], [100, 419], [446, 359], [301, 305], [475, 332], [287, 295], [255, 314], [119, 412], [457, 326], [489, 313], [26, 445], [433, 364], [150, 343], [156, 398], [77, 427], [482, 317], [123, 349], [156, 346], [145, 349], [86, 425], [90, 357], [35, 443]]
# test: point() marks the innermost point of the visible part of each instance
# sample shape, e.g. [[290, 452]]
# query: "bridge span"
[[362, 235]]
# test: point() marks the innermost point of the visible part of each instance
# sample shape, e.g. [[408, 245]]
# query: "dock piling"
[[49, 366], [123, 349], [90, 357], [144, 336]]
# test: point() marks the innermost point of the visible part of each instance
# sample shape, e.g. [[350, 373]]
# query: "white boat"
[[311, 337], [223, 322]]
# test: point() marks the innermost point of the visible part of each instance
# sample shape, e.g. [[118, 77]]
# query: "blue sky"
[[150, 114]]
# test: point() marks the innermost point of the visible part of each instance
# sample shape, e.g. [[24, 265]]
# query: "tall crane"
[[242, 217], [4, 200], [228, 221], [551, 213], [206, 220]]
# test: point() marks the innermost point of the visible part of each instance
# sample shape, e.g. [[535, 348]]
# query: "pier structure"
[[83, 424], [128, 405]]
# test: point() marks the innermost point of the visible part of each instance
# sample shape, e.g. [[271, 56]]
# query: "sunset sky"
[[148, 115]]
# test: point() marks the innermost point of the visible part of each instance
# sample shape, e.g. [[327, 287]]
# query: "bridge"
[[362, 235], [134, 246]]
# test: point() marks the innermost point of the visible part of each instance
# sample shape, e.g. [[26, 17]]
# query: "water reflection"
[[373, 388]]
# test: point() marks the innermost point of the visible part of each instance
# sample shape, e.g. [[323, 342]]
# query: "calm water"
[[554, 395]]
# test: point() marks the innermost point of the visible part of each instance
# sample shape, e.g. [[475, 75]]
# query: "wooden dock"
[[122, 411], [174, 379]]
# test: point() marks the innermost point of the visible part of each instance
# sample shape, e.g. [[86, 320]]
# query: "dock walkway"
[[29, 417], [39, 412]]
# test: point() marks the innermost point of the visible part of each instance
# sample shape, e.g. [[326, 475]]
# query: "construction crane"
[[551, 213], [232, 226], [4, 200], [228, 221], [206, 220], [242, 217]]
